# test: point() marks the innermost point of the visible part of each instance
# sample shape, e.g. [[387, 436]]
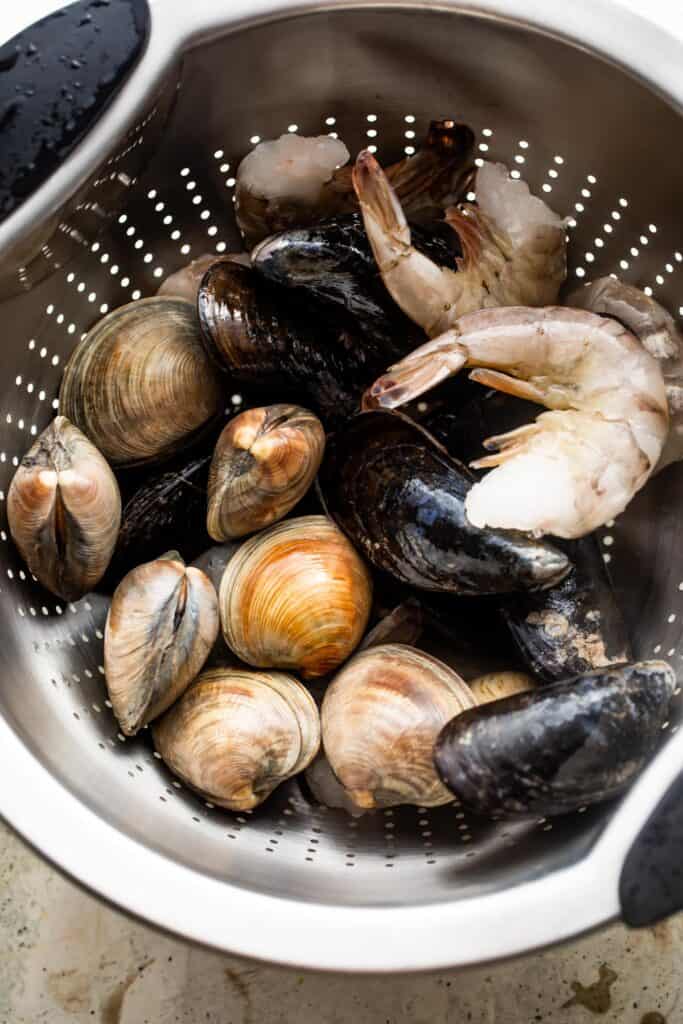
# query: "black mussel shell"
[[469, 634], [333, 262], [574, 626], [269, 336], [555, 750], [463, 426], [400, 498], [166, 512], [402, 625]]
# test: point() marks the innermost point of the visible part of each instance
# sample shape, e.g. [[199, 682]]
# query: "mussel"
[[380, 717], [166, 511], [161, 625], [296, 596], [401, 499], [264, 462], [573, 626], [263, 334], [184, 283], [403, 625], [64, 510], [235, 735], [559, 748], [496, 685], [140, 384], [333, 262]]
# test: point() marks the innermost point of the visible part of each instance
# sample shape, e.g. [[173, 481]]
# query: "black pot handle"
[[651, 882], [56, 79]]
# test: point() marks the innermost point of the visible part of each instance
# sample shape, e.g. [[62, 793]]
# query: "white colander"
[[584, 101]]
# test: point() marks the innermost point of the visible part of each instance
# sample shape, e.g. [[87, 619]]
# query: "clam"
[[212, 562], [265, 461], [496, 685], [140, 384], [400, 497], [64, 510], [574, 626], [559, 748], [162, 623], [236, 734], [296, 596], [380, 717], [326, 788]]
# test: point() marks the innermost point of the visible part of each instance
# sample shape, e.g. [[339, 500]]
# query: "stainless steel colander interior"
[[600, 147]]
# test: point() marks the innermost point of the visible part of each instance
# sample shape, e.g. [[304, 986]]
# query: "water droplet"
[[75, 64]]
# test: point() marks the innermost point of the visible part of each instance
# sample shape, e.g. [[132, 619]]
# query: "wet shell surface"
[[64, 510], [400, 497], [264, 462], [558, 748], [140, 384], [380, 718], [237, 734], [161, 626], [296, 596], [574, 626]]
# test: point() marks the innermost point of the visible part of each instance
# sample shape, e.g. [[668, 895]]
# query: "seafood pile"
[[378, 575]]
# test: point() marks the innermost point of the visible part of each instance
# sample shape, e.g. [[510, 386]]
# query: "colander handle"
[[651, 882], [56, 79]]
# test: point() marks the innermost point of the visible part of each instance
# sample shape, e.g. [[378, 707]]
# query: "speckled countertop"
[[68, 959]]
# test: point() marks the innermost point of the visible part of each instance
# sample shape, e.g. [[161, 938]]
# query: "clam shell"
[[557, 748], [264, 462], [237, 734], [296, 596], [140, 384], [161, 626], [380, 718], [496, 685], [64, 510]]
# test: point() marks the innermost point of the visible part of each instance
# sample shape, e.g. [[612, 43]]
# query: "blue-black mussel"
[[263, 334], [400, 497], [557, 749]]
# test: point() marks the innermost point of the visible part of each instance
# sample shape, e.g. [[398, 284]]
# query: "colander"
[[585, 101]]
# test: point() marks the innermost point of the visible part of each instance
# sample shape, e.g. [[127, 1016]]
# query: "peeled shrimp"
[[296, 180], [576, 466], [657, 332], [514, 248]]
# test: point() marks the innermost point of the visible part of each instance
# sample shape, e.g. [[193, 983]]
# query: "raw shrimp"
[[657, 331], [295, 181], [577, 466], [514, 248]]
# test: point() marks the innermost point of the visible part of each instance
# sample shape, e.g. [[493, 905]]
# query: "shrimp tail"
[[467, 228], [420, 371], [378, 200]]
